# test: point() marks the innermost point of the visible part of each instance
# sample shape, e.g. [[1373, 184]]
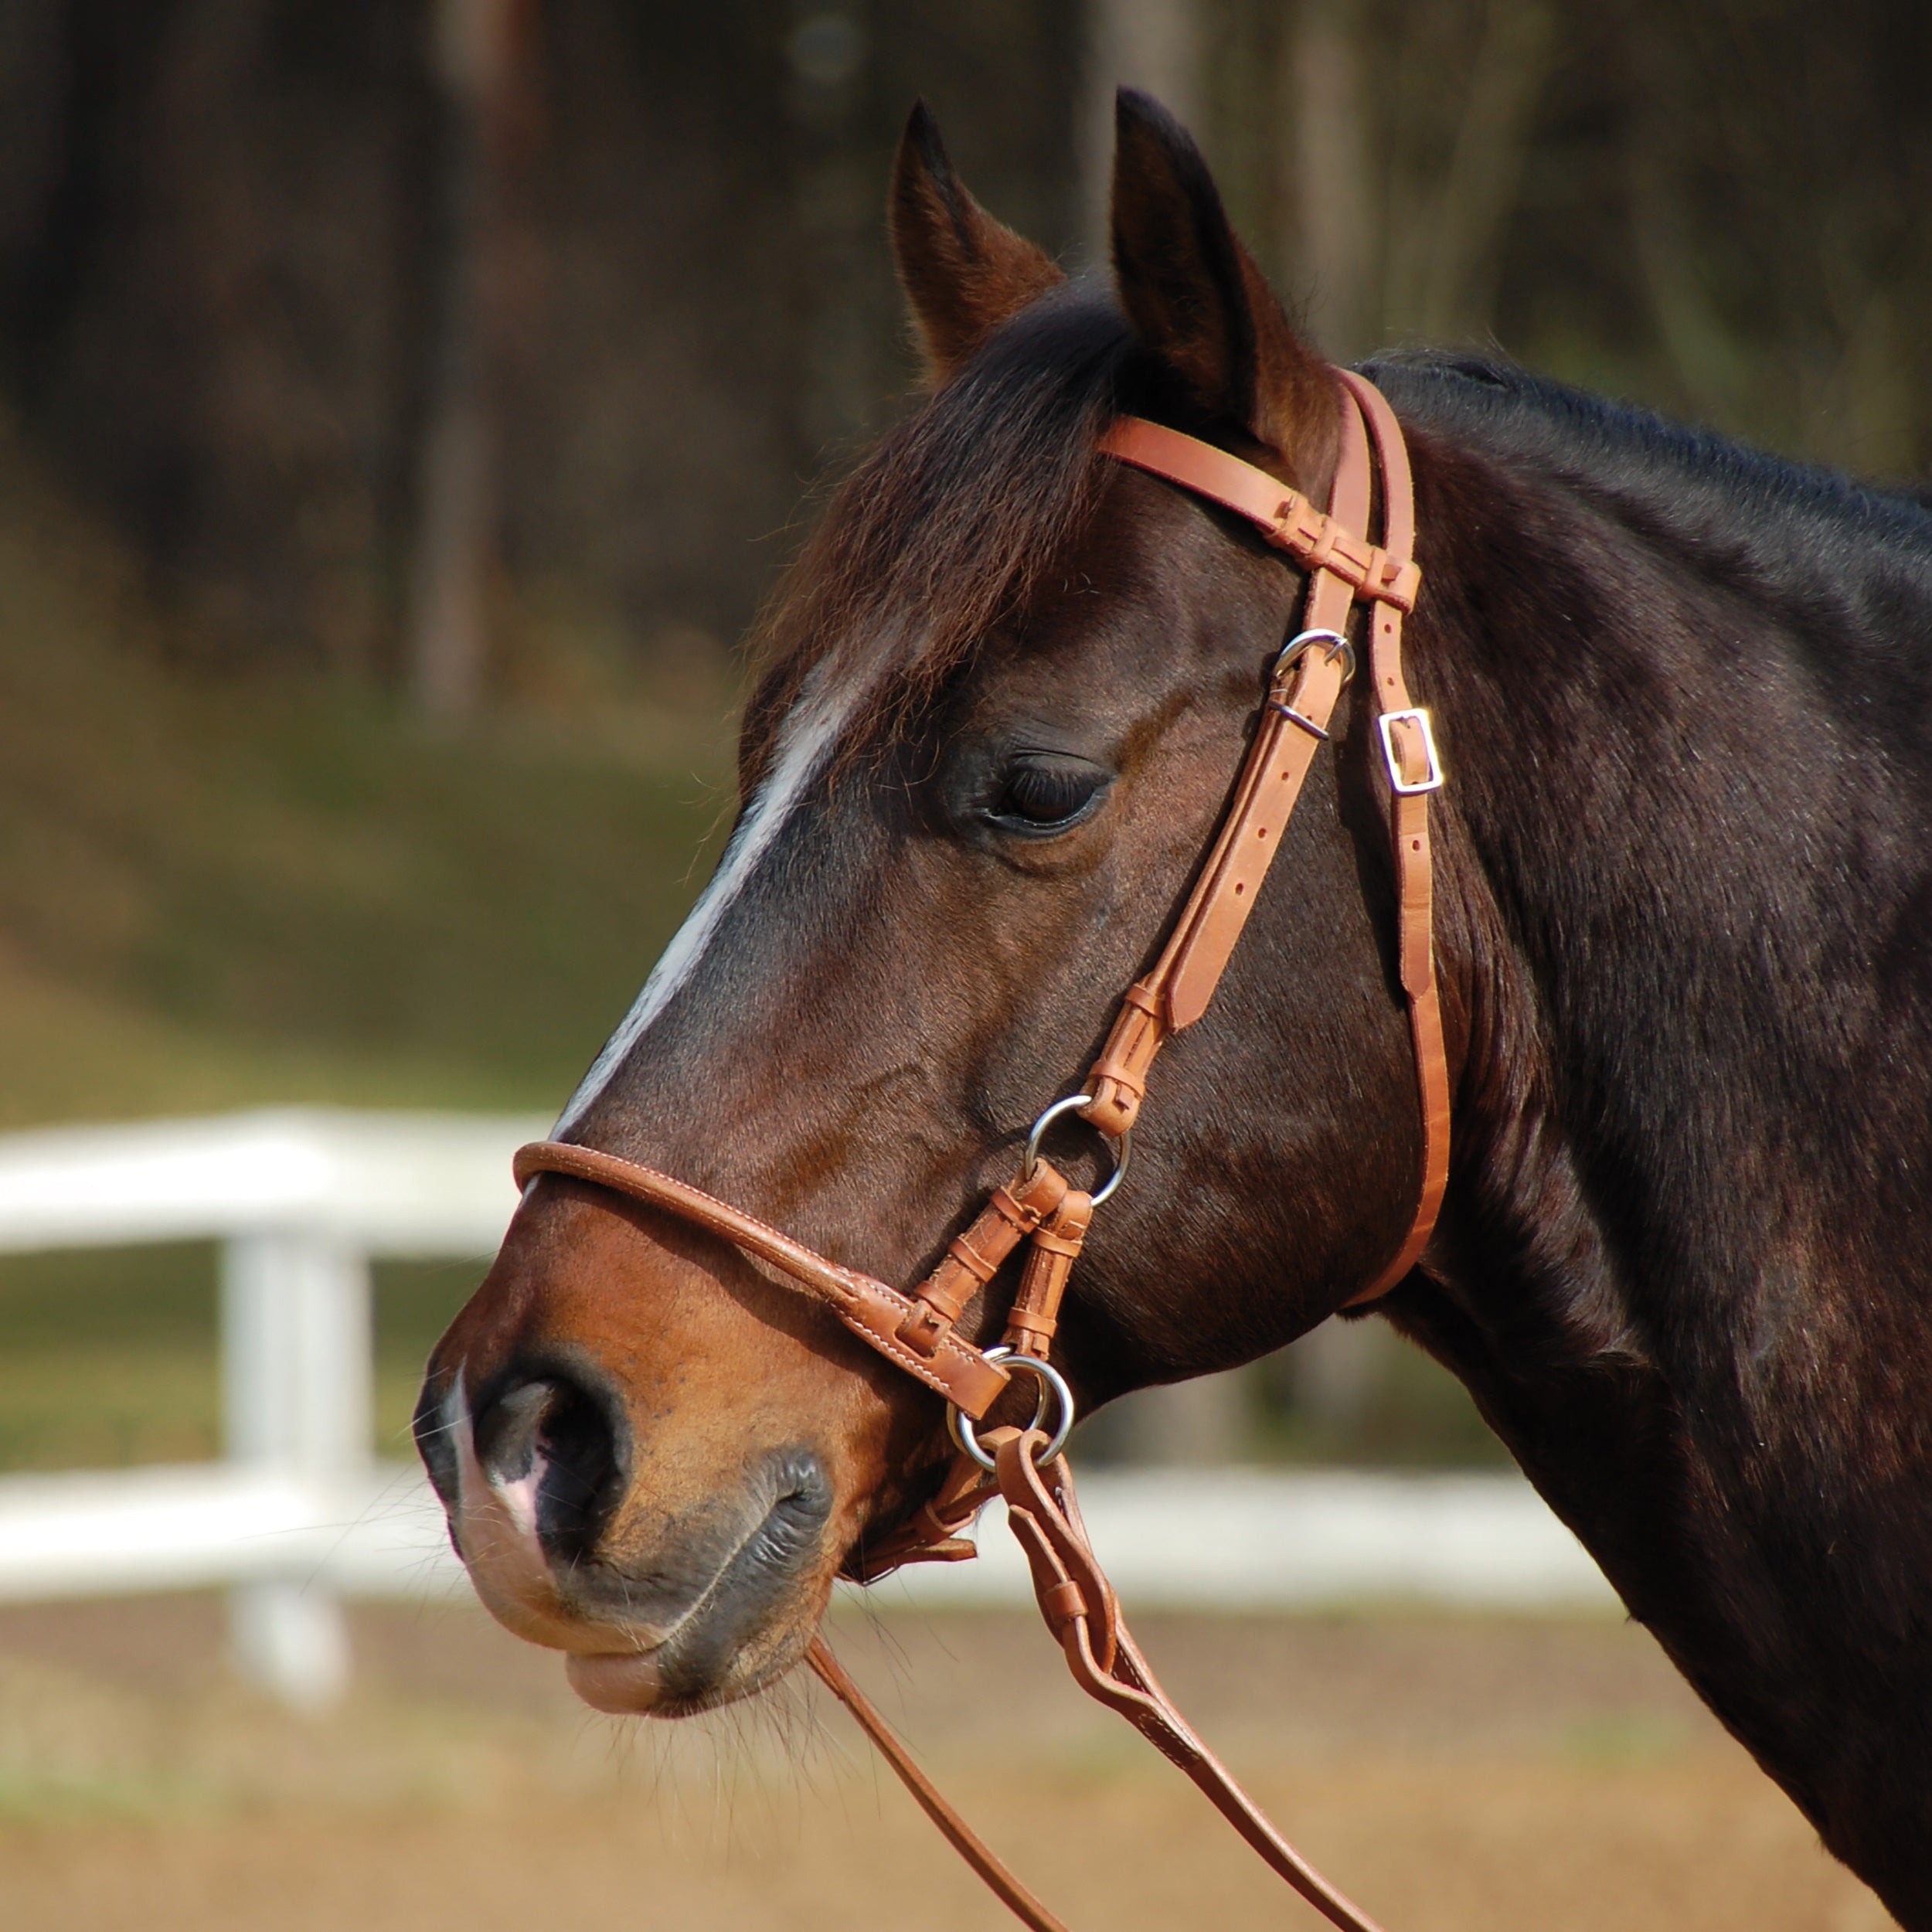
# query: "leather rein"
[[919, 1331]]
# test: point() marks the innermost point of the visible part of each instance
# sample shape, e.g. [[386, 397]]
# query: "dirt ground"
[[1450, 1774]]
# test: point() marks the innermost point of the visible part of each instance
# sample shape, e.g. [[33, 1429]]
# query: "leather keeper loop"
[[1046, 1242], [972, 1259], [1034, 1315], [1118, 1078], [1033, 1195], [925, 1327], [978, 1266], [1060, 1604], [1022, 1325]]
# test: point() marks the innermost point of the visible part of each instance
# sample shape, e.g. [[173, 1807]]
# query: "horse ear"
[[1197, 300], [963, 273]]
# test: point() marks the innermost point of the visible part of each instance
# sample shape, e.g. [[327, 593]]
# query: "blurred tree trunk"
[[221, 317], [1778, 216], [837, 201], [1327, 195], [1153, 44], [485, 62], [1446, 279], [1404, 129]]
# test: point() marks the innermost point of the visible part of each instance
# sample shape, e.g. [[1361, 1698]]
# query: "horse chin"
[[661, 1682], [619, 1684], [626, 1669]]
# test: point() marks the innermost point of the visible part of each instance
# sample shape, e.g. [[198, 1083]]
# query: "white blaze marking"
[[808, 733]]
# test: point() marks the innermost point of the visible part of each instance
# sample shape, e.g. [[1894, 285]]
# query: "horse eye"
[[1046, 793]]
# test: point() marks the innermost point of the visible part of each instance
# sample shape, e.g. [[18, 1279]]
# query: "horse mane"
[[1676, 480], [945, 526]]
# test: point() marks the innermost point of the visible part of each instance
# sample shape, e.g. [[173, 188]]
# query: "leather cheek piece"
[[1344, 568], [973, 1258]]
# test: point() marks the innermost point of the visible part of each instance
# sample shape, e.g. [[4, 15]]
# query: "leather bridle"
[[919, 1331]]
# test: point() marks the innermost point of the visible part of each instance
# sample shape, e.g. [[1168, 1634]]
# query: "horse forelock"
[[945, 528], [942, 532]]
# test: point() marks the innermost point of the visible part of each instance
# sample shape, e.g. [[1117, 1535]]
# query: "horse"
[[1682, 938]]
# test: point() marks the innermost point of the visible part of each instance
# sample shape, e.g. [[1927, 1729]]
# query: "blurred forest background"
[[405, 404]]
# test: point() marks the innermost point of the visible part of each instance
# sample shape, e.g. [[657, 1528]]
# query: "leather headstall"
[[1039, 1208]]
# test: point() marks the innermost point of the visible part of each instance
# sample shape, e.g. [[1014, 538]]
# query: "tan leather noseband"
[[919, 1331]]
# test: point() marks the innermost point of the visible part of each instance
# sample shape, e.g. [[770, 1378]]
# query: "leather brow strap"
[[1284, 516]]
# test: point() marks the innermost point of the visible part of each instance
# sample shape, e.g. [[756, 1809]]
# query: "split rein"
[[919, 1331]]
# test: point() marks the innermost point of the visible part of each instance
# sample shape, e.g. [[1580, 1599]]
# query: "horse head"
[[1007, 690]]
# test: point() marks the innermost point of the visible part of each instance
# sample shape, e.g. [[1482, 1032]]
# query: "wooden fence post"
[[296, 1365]]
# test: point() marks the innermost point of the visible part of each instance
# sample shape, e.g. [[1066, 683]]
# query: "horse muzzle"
[[666, 1597]]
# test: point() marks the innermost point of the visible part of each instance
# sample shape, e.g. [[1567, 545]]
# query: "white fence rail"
[[299, 1515], [302, 1202]]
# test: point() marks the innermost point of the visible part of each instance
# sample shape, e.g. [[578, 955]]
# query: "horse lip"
[[619, 1683]]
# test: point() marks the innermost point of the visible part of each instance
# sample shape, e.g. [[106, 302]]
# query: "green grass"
[[415, 1302], [33, 1793], [219, 891], [109, 1356]]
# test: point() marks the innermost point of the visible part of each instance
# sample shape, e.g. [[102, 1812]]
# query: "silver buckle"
[[1431, 780], [1303, 641]]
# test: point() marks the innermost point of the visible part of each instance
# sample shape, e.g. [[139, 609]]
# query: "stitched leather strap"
[[1080, 1609], [872, 1311], [1292, 729], [1343, 569], [917, 1331], [930, 1799]]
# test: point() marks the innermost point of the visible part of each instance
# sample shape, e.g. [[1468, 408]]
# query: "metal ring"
[[1339, 646], [1051, 1383], [1119, 1146]]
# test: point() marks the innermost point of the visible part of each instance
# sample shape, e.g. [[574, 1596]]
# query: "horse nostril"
[[567, 1437]]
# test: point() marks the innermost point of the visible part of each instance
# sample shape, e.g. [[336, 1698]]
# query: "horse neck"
[[1684, 900]]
